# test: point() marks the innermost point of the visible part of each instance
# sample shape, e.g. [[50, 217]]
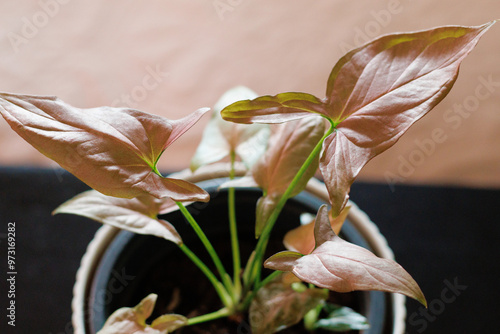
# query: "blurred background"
[[173, 57]]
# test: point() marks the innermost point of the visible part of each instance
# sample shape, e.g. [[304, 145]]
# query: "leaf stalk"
[[256, 266]]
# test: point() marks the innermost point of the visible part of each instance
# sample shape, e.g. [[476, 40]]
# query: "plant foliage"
[[373, 95]]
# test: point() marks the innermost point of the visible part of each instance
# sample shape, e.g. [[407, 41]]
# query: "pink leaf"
[[265, 207], [113, 150], [137, 215], [340, 266], [301, 238], [133, 320], [221, 138], [279, 305], [289, 147], [376, 92]]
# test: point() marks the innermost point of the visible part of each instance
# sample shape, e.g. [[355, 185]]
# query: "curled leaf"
[[340, 266], [274, 109], [137, 215], [133, 320], [301, 238], [113, 150], [281, 304], [222, 139]]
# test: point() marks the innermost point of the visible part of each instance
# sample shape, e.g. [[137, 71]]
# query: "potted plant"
[[373, 95]]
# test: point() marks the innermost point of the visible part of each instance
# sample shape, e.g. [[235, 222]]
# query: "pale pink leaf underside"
[[137, 215], [113, 150], [221, 139], [340, 266], [133, 320]]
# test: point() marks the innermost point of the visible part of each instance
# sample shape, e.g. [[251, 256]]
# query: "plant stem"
[[213, 254], [266, 232], [234, 233], [219, 288], [223, 312]]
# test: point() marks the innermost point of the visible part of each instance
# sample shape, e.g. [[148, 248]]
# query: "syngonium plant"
[[373, 95]]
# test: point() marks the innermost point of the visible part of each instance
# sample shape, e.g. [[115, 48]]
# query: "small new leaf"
[[279, 305], [133, 320], [340, 266], [138, 215], [222, 139], [301, 238], [113, 150]]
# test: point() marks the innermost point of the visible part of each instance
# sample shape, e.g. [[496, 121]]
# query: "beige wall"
[[172, 57]]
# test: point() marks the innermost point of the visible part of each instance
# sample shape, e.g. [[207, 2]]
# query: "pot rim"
[[105, 234]]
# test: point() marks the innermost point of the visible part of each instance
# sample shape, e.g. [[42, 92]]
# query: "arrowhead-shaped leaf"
[[301, 238], [113, 150], [138, 215], [374, 94], [221, 138], [133, 320], [289, 147], [279, 305], [340, 266]]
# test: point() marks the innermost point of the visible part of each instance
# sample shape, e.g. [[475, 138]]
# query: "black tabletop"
[[446, 237]]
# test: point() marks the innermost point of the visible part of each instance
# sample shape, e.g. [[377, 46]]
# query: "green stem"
[[213, 254], [234, 233], [266, 232], [223, 312], [219, 288]]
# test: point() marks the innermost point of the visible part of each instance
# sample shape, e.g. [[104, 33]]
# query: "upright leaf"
[[289, 147], [137, 215], [113, 150], [340, 266], [374, 94], [133, 320], [222, 139]]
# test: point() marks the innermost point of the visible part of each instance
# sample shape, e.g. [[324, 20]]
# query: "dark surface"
[[447, 238]]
